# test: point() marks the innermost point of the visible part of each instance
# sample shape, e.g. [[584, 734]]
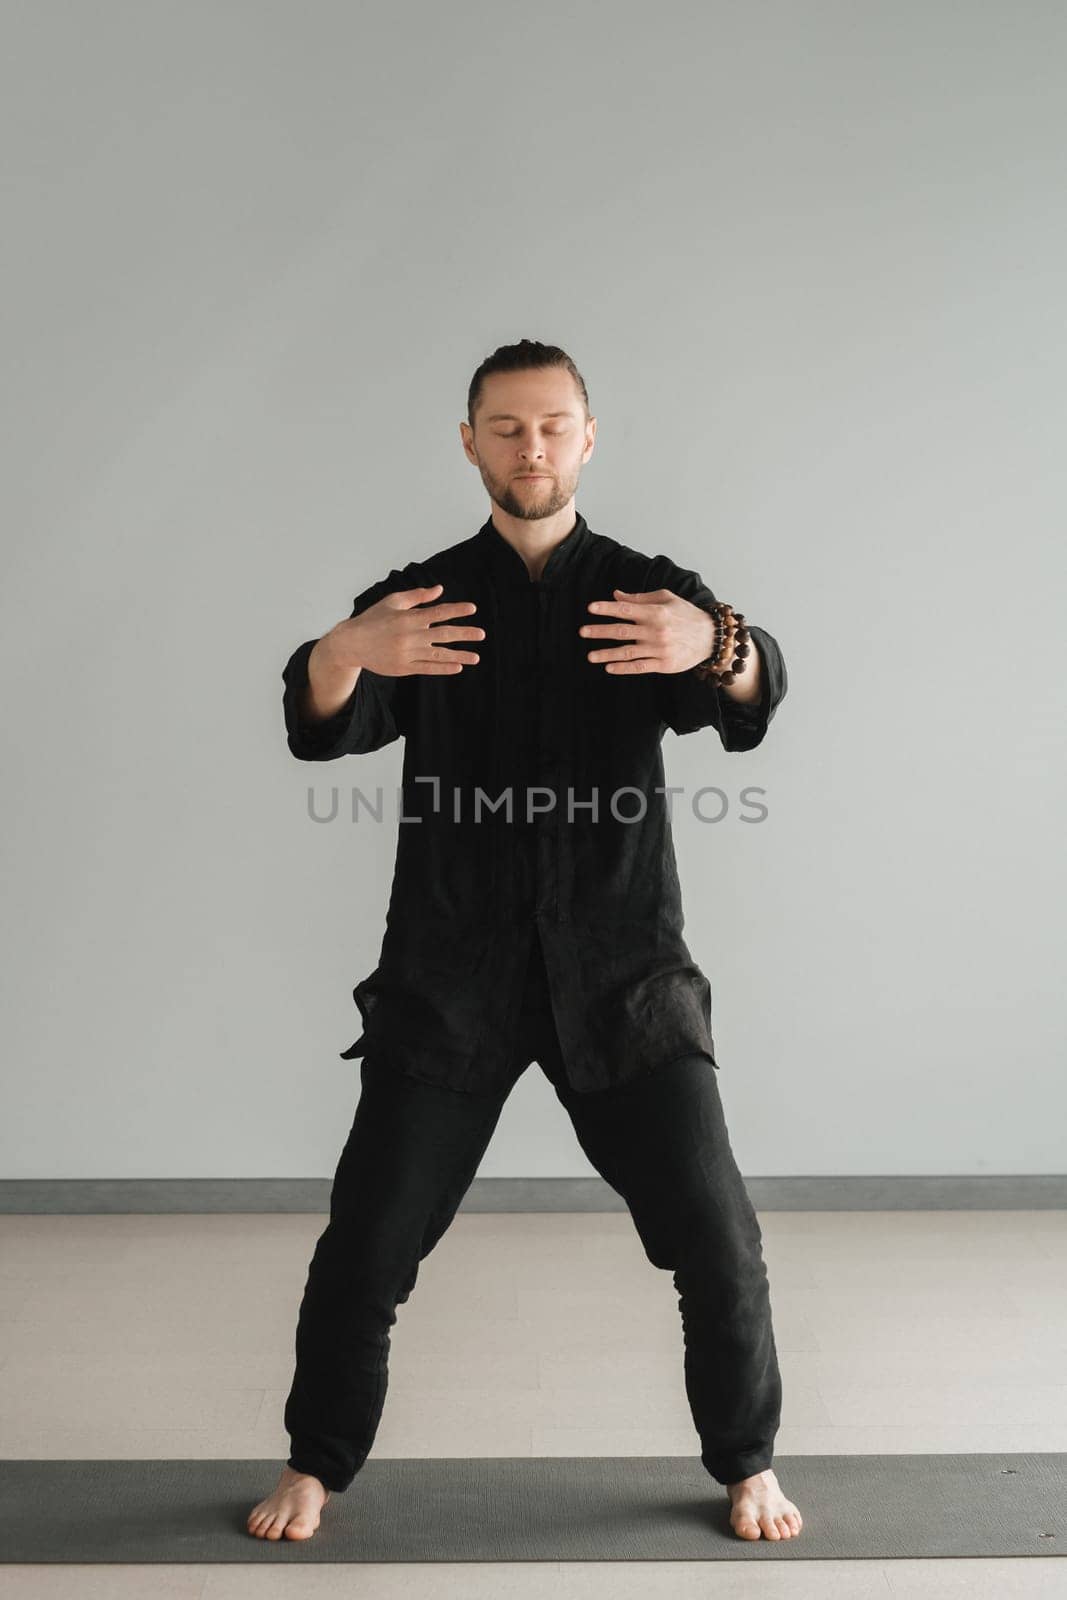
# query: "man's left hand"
[[662, 632]]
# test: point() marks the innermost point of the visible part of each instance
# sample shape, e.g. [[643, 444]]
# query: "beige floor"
[[896, 1331]]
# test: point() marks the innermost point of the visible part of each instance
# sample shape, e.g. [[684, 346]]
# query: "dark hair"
[[521, 357]]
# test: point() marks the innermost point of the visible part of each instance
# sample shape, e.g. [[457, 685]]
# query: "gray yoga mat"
[[539, 1508]]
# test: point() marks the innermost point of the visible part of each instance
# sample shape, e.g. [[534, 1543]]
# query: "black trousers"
[[660, 1140]]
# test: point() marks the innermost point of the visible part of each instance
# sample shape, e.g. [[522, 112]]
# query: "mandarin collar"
[[506, 562]]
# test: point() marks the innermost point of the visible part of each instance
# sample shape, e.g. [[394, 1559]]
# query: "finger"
[[640, 597], [639, 660], [427, 652], [613, 630], [430, 660], [446, 609], [403, 599], [407, 599], [619, 667], [620, 608], [445, 631]]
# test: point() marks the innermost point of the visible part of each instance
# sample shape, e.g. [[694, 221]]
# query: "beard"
[[531, 502]]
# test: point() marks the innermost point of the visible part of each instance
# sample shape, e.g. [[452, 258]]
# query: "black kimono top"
[[581, 854]]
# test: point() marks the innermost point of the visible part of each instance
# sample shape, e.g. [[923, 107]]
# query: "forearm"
[[329, 686]]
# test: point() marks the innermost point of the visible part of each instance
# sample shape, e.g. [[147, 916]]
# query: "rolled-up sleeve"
[[689, 702], [374, 713]]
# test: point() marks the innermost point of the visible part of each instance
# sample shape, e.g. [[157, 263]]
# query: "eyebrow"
[[508, 416]]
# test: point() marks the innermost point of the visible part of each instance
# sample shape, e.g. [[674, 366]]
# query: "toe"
[[784, 1529], [769, 1526]]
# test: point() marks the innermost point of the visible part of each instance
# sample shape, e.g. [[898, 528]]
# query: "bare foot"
[[292, 1510], [759, 1504]]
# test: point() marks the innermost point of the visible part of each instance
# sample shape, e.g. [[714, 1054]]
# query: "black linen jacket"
[[533, 804]]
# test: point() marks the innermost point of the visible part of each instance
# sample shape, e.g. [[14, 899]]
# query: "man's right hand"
[[395, 639]]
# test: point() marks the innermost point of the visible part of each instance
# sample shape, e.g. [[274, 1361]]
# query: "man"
[[535, 914]]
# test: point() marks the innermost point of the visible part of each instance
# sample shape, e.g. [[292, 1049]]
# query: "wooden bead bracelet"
[[716, 667]]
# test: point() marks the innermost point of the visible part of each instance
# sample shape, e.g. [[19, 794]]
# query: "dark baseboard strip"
[[84, 1196]]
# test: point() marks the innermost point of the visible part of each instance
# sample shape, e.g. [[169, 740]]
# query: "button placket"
[[547, 823]]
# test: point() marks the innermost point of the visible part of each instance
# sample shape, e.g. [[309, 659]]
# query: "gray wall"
[[810, 259]]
